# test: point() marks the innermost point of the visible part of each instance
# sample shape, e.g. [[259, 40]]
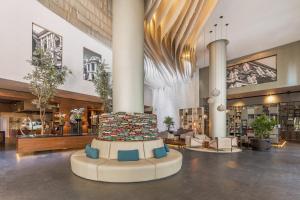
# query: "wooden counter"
[[33, 144]]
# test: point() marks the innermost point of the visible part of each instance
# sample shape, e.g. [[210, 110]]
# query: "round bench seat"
[[108, 169], [168, 165], [126, 171], [86, 167]]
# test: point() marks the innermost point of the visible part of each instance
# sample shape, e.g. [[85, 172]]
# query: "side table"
[[205, 144]]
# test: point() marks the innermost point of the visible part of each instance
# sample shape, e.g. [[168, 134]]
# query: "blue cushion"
[[160, 152], [91, 152], [128, 155], [86, 147], [166, 147]]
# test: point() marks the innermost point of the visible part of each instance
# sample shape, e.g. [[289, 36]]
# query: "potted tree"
[[44, 80], [101, 80], [169, 122], [262, 126]]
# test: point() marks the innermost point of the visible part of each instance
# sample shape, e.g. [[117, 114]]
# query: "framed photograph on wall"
[[90, 63], [263, 70], [48, 41]]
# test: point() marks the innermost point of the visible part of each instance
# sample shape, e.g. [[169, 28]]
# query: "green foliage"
[[77, 113], [102, 86], [169, 122], [262, 126], [44, 79]]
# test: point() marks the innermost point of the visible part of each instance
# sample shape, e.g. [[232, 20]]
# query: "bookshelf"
[[192, 119]]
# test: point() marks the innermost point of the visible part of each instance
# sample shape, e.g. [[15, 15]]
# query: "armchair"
[[221, 143], [197, 140], [170, 136], [184, 135]]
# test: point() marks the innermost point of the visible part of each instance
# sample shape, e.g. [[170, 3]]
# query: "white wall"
[[148, 95], [16, 43], [167, 101]]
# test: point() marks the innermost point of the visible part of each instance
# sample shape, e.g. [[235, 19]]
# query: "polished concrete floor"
[[240, 176]]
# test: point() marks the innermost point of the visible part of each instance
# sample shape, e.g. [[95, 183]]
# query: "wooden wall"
[[66, 105]]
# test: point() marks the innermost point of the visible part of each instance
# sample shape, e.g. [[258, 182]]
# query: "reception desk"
[[30, 144]]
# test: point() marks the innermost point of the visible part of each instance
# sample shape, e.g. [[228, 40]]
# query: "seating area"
[[195, 141], [150, 100], [109, 169]]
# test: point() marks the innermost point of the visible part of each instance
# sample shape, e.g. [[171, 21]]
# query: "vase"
[[61, 128], [78, 126]]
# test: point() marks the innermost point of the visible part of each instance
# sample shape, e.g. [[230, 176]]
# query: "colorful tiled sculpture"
[[128, 127]]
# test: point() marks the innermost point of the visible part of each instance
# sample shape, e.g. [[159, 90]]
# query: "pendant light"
[[211, 100], [221, 108]]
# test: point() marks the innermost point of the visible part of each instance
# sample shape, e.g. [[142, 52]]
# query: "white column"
[[128, 55], [217, 81]]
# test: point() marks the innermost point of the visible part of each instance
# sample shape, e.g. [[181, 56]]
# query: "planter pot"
[[261, 144]]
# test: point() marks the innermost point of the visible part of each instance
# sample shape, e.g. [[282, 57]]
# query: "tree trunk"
[[42, 118]]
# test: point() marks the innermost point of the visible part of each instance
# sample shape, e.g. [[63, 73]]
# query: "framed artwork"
[[48, 41], [263, 70], [90, 63]]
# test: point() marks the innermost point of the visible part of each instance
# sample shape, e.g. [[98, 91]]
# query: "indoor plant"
[[262, 126], [44, 80], [169, 122], [76, 117], [102, 84]]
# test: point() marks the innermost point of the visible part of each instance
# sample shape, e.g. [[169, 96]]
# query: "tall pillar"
[[128, 55], [217, 87]]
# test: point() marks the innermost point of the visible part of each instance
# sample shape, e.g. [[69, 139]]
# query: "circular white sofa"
[[108, 169]]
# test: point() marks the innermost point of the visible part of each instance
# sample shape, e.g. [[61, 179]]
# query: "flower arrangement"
[[77, 114]]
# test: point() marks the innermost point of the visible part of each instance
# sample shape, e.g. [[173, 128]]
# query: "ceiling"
[[172, 30], [254, 25], [93, 17]]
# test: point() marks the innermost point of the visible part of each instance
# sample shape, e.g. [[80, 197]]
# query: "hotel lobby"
[[150, 99]]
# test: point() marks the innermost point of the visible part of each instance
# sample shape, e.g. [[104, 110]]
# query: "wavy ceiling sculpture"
[[172, 29]]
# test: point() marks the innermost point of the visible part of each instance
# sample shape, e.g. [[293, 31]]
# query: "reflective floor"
[[240, 176]]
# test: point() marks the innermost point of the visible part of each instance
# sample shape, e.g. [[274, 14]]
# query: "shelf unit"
[[289, 119], [234, 122], [240, 118], [192, 119]]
